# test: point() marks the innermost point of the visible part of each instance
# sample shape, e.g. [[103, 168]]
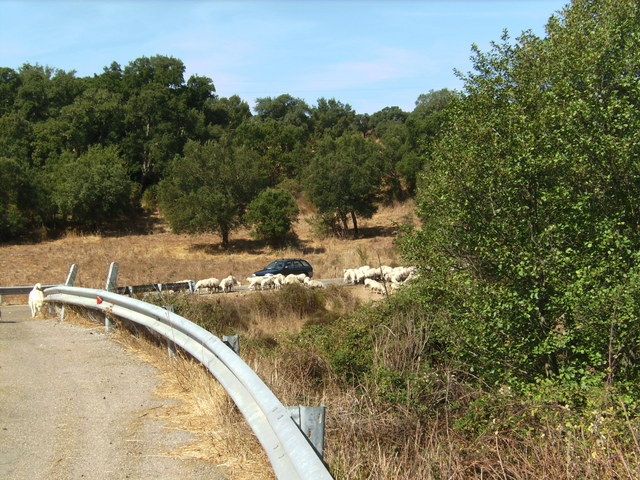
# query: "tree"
[[159, 69], [285, 109], [14, 191], [227, 112], [283, 147], [209, 188], [344, 178], [334, 118], [92, 189], [530, 233], [272, 214], [9, 84]]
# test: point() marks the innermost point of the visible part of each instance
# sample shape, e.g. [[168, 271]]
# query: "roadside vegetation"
[[514, 354]]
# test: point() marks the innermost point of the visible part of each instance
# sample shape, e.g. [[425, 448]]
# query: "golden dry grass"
[[162, 256]]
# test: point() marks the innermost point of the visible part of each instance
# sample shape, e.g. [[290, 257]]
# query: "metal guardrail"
[[290, 453], [19, 290]]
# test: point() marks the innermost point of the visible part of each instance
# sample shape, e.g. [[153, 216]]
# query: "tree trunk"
[[345, 224], [224, 233], [355, 224]]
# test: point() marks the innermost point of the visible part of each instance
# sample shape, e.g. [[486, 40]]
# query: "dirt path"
[[73, 406]]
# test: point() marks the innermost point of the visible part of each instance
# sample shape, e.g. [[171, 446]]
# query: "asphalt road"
[[74, 405]]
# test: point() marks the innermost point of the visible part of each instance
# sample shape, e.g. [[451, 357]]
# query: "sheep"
[[255, 283], [208, 283], [268, 282], [349, 276], [373, 273], [314, 283], [398, 275], [292, 279], [36, 300], [374, 286], [227, 284]]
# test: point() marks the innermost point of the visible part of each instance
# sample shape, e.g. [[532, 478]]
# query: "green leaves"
[[209, 188], [531, 196], [344, 177], [272, 213], [93, 188]]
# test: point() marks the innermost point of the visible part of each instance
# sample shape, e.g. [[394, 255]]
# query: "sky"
[[370, 54]]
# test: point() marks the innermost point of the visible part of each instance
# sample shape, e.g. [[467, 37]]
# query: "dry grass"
[[161, 256]]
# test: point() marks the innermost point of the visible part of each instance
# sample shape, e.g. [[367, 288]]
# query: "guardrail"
[[291, 454], [19, 290]]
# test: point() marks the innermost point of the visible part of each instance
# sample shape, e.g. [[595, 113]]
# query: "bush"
[[530, 228]]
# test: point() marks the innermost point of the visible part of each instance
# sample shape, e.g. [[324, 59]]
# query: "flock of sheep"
[[255, 283], [375, 279]]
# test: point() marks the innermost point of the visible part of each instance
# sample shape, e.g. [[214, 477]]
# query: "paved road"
[[73, 406]]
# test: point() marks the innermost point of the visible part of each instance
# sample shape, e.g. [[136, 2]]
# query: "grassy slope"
[[161, 256]]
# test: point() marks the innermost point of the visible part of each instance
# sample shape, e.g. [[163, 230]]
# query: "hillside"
[[161, 256]]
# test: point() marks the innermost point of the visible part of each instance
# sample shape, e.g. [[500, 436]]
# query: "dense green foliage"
[[209, 188], [344, 177], [146, 114], [529, 203], [272, 214]]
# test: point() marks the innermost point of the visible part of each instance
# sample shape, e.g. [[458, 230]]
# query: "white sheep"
[[227, 284], [314, 283], [292, 279], [36, 300], [374, 286], [268, 283], [254, 283], [349, 276], [208, 283]]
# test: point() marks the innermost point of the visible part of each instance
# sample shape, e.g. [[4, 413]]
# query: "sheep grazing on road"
[[212, 284], [227, 284], [268, 283], [349, 276], [255, 283], [292, 279], [36, 300]]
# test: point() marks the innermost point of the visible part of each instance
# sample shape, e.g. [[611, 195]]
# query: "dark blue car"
[[286, 266]]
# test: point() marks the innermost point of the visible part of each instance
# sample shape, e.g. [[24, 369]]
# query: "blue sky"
[[368, 54]]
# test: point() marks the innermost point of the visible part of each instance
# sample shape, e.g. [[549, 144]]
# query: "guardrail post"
[[71, 278], [171, 346], [111, 287], [310, 420], [233, 342]]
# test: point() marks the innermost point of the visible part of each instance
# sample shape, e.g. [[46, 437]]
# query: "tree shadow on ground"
[[240, 245], [377, 231]]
